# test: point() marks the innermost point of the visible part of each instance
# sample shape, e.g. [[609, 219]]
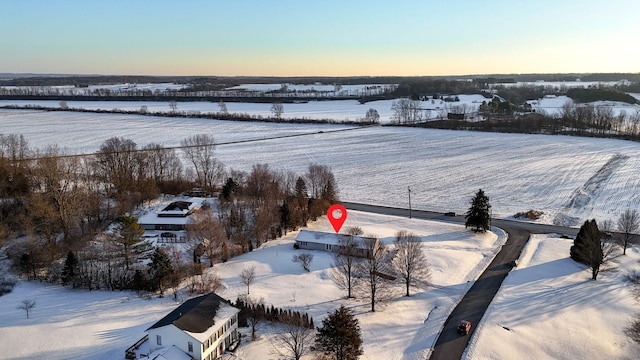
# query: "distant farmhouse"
[[202, 328], [174, 216], [317, 240]]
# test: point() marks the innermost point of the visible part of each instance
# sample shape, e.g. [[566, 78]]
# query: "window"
[[190, 346], [159, 339]]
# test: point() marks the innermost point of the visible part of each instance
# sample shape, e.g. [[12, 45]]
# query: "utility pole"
[[409, 188]]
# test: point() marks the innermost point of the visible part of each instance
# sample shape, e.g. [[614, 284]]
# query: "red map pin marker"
[[337, 214]]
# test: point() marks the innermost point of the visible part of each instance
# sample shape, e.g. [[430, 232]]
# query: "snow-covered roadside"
[[549, 308]]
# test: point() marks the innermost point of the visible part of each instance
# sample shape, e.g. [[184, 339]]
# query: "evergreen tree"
[[69, 271], [340, 337], [302, 200], [587, 235], [130, 237], [228, 189], [478, 215], [161, 268], [590, 248], [285, 217]]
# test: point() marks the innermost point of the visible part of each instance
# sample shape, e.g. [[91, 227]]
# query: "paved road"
[[450, 345]]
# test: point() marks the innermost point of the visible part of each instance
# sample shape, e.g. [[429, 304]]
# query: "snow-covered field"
[[548, 308], [101, 325], [336, 110], [552, 105], [569, 178]]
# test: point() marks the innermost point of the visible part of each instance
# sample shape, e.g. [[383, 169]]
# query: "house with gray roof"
[[202, 328], [319, 240]]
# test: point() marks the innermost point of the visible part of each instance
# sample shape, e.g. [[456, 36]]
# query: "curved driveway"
[[473, 305]]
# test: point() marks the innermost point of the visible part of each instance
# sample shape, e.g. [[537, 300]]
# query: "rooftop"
[[195, 315]]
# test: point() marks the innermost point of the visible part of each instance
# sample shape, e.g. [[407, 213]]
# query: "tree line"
[[69, 218]]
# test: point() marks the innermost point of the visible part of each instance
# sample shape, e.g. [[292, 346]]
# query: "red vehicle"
[[464, 327]]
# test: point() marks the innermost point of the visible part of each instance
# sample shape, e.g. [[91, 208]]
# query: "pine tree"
[[161, 268], [302, 200], [70, 268], [340, 336], [285, 217], [130, 237], [478, 215], [590, 248], [587, 236]]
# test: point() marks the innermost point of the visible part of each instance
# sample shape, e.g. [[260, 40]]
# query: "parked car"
[[464, 327]]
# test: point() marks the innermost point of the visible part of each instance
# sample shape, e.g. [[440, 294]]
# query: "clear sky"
[[319, 37]]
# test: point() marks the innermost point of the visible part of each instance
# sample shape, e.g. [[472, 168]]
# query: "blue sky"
[[323, 38]]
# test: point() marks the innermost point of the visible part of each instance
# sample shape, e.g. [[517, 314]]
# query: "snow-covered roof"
[[320, 237], [168, 353], [172, 213], [198, 316]]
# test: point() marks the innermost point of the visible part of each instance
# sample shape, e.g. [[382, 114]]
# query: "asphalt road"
[[450, 345]]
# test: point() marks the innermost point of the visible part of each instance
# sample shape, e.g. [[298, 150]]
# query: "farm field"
[[570, 179]]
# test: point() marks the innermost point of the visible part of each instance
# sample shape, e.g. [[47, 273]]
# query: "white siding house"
[[173, 216], [202, 328], [318, 240]]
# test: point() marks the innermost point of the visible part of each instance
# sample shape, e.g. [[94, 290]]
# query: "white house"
[[201, 328], [318, 240], [173, 216]]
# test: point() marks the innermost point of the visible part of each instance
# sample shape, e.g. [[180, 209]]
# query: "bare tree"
[[206, 230], [633, 329], [163, 164], [294, 341], [116, 163], [321, 182], [628, 226], [27, 305], [345, 260], [304, 259], [247, 276], [255, 314], [406, 111], [173, 105], [376, 271], [222, 107], [410, 261], [372, 116], [199, 150], [277, 109]]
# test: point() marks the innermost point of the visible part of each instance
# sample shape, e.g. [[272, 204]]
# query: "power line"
[[178, 147]]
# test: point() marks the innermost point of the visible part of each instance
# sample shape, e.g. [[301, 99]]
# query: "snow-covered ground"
[[552, 105], [549, 308], [72, 90], [569, 178], [336, 110], [565, 84], [101, 325]]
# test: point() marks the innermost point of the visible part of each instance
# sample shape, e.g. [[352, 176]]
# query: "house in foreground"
[[318, 240], [201, 328]]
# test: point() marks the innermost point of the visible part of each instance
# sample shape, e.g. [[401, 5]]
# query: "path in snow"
[[581, 197]]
